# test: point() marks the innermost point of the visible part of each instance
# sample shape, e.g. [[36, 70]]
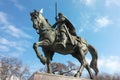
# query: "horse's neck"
[[45, 23]]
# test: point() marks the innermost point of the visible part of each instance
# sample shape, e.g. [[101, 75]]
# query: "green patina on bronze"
[[62, 40]]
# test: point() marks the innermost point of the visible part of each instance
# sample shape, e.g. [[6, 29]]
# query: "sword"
[[70, 37], [56, 11]]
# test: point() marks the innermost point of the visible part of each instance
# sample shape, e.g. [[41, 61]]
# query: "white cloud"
[[12, 40], [101, 22], [89, 2], [109, 3], [3, 18], [5, 41], [15, 32], [111, 64], [18, 5], [13, 44], [86, 2], [15, 48], [10, 29], [4, 48]]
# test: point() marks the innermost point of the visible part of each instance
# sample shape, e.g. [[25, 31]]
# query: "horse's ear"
[[41, 11], [35, 10]]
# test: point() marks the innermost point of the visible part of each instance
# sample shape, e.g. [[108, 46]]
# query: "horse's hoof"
[[43, 62], [91, 77], [76, 75]]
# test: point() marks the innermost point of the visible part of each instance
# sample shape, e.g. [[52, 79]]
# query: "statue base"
[[46, 76]]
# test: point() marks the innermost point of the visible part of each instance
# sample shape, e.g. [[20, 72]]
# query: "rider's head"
[[60, 15]]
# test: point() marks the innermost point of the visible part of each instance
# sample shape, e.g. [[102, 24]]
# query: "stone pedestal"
[[46, 76]]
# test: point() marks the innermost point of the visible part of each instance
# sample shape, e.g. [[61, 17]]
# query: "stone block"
[[46, 76]]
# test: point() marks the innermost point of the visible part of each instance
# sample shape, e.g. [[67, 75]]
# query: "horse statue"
[[48, 39]]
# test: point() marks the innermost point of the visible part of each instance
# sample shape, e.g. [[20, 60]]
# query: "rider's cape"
[[70, 27]]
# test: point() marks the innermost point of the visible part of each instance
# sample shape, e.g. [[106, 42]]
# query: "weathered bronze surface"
[[62, 40]]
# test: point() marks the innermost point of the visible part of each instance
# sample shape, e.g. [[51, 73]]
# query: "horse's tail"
[[93, 63]]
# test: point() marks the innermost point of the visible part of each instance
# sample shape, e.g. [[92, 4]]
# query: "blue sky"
[[96, 21]]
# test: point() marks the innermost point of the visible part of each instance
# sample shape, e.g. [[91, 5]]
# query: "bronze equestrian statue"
[[62, 40], [62, 22]]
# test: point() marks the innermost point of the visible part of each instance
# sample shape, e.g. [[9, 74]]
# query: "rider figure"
[[61, 23]]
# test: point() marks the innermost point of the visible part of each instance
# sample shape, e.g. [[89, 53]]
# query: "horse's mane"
[[44, 20]]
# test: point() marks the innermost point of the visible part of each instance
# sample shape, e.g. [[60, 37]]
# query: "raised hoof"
[[43, 61]]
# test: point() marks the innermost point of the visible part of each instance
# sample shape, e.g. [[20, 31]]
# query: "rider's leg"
[[63, 38]]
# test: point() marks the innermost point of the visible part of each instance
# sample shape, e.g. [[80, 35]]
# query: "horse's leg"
[[79, 72], [39, 55], [49, 68], [89, 70], [81, 58], [48, 55], [83, 63]]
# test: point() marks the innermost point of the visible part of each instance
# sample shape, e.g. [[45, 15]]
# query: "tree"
[[58, 68], [70, 68], [62, 69], [11, 66], [106, 76]]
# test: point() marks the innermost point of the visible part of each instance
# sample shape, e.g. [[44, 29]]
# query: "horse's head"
[[35, 19], [39, 22]]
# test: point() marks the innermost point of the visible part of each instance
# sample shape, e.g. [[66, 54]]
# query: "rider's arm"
[[58, 21]]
